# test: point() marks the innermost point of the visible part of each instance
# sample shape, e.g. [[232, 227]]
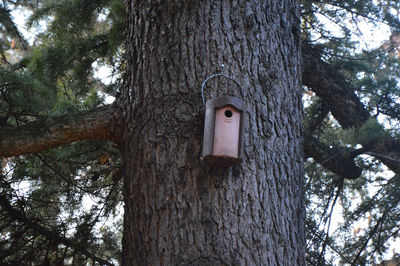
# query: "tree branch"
[[11, 28], [322, 253], [331, 86], [386, 150], [36, 136], [369, 237], [338, 160], [45, 232], [318, 117]]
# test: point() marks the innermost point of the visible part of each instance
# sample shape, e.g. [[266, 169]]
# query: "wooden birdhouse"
[[223, 131]]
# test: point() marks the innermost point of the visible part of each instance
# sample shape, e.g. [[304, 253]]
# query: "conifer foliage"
[[351, 131], [48, 74]]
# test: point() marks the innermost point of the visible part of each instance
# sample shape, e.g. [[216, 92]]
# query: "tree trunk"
[[179, 211]]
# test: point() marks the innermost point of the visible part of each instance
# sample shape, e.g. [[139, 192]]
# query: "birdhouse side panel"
[[208, 137]]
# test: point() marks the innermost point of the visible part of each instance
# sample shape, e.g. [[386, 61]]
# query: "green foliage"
[[369, 132], [368, 205], [52, 188], [71, 191]]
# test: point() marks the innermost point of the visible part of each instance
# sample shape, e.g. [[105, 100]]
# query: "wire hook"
[[219, 75]]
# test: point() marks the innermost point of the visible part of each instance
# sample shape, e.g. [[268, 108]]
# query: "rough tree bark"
[[178, 211]]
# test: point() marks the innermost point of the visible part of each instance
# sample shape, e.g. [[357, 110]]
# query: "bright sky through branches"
[[368, 36], [20, 16]]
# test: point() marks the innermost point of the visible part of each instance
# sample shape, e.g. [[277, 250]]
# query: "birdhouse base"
[[221, 161]]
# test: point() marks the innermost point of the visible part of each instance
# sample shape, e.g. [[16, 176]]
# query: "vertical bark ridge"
[[180, 211]]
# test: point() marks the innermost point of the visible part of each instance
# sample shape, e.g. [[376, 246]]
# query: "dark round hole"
[[228, 113]]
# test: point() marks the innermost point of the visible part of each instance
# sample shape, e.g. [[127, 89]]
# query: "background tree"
[[350, 126], [352, 129]]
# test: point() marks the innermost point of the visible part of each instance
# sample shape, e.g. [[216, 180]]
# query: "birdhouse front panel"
[[226, 132]]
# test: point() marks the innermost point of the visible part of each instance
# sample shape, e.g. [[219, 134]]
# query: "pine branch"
[[386, 149], [56, 131], [47, 233], [325, 211], [337, 160], [66, 179], [11, 28], [369, 237], [318, 118], [331, 86], [322, 253]]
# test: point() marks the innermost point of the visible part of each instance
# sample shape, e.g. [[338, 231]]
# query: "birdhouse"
[[224, 131]]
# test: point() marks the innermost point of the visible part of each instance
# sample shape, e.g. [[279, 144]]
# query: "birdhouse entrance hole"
[[228, 113]]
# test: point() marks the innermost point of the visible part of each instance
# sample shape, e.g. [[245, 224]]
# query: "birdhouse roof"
[[226, 100]]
